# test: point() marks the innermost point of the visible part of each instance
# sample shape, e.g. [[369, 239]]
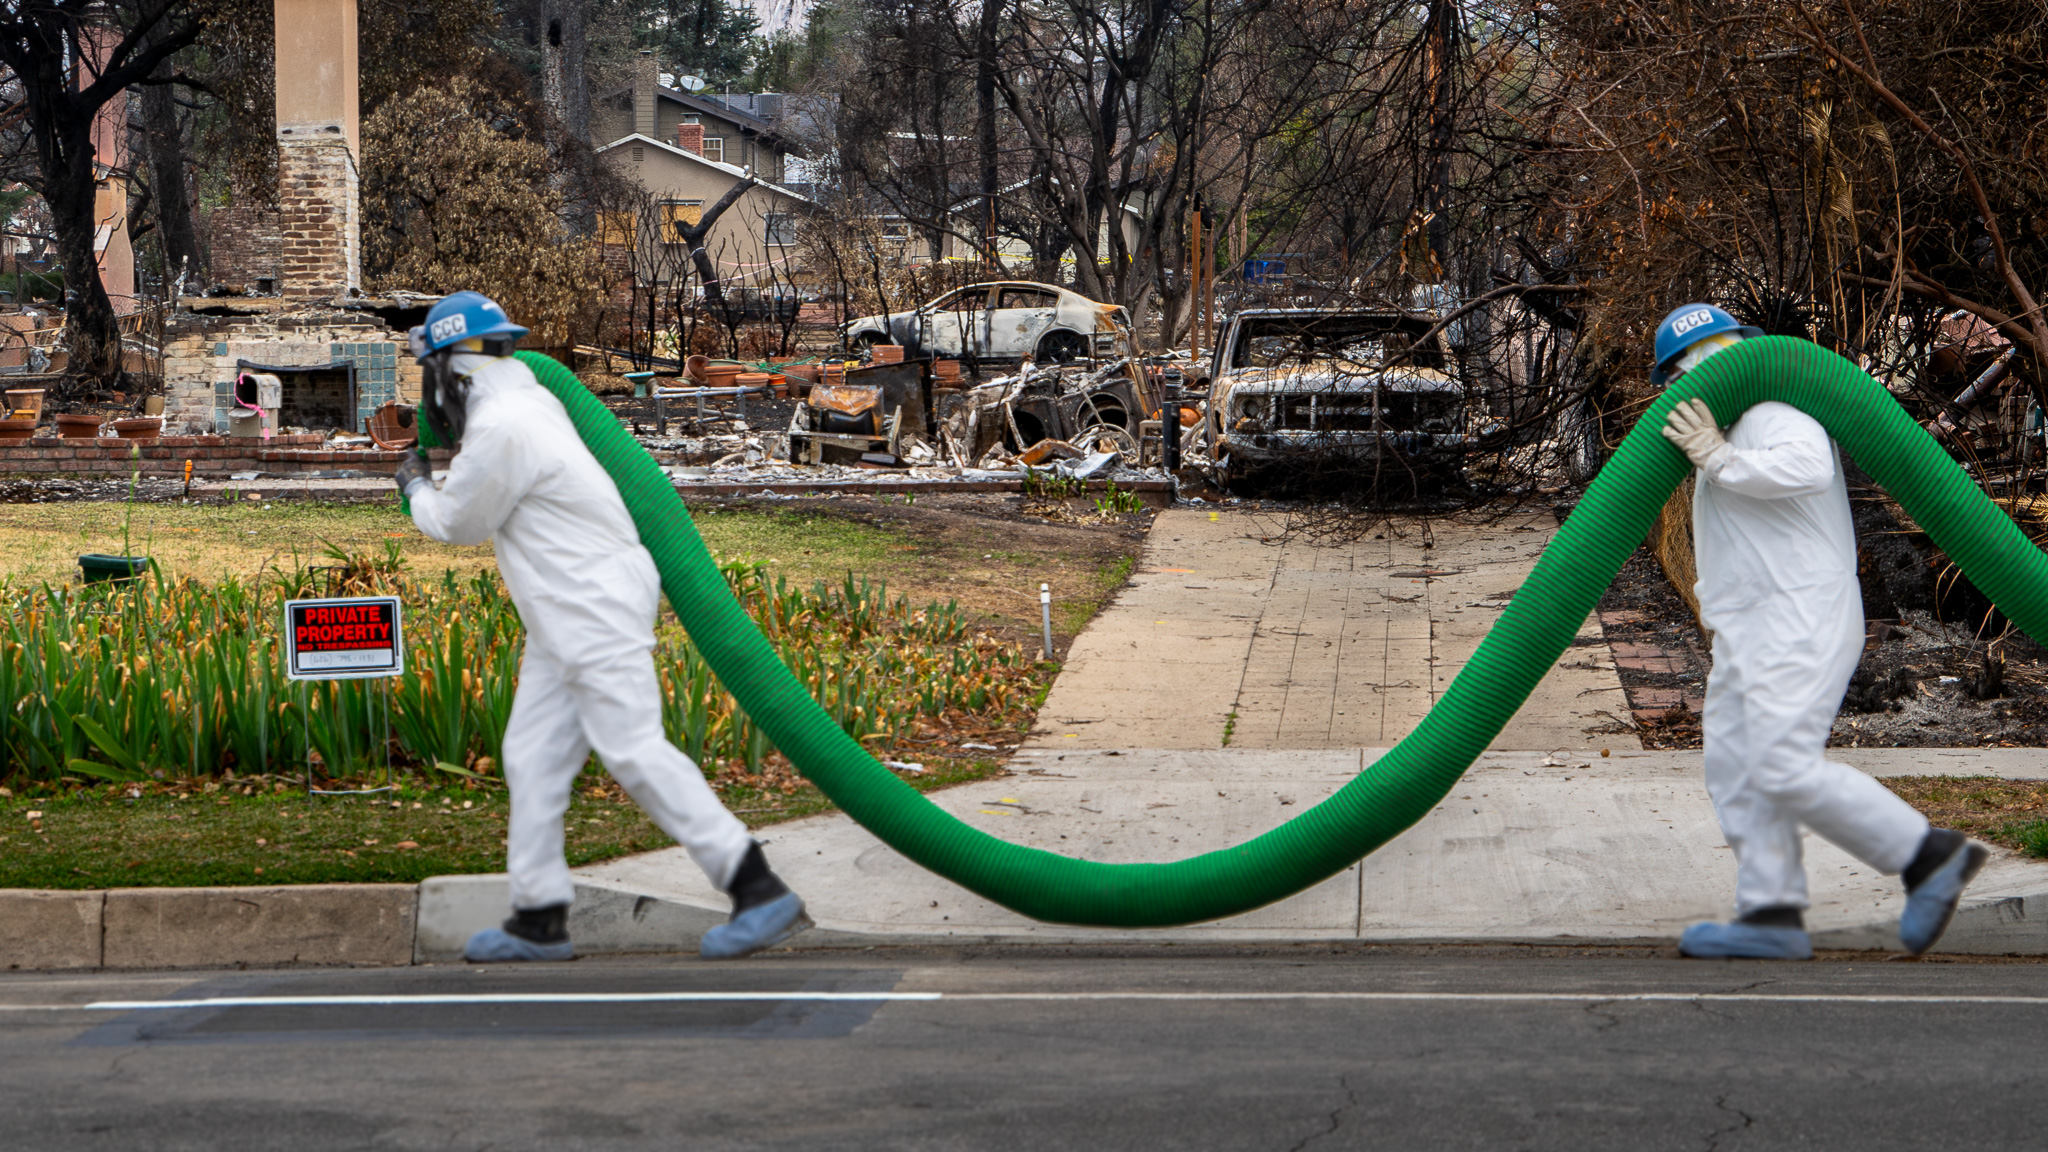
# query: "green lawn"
[[208, 541], [182, 835], [211, 832]]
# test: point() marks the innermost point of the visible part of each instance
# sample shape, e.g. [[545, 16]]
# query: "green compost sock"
[[1409, 780]]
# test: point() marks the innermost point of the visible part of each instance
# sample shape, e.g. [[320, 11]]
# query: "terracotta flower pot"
[[694, 367], [721, 375], [78, 426], [139, 428], [886, 354], [17, 428], [394, 426], [23, 402]]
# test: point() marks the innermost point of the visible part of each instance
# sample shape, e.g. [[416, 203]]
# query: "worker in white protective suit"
[[587, 593], [1776, 551]]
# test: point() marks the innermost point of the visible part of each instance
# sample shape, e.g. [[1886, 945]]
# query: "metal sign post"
[[349, 638]]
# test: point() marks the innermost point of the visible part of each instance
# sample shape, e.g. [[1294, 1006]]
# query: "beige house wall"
[[740, 236]]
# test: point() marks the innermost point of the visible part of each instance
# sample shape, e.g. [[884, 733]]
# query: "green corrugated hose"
[[1408, 781]]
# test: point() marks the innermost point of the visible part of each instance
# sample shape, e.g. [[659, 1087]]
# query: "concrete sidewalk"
[[1291, 646], [1529, 848], [1314, 660]]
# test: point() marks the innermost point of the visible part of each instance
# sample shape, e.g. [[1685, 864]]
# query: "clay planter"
[[802, 373], [394, 426], [17, 428], [139, 428], [27, 401], [946, 371], [886, 354], [721, 375], [77, 426], [694, 367]]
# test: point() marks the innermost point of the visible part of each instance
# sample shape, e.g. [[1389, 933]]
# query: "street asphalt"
[[1310, 1047]]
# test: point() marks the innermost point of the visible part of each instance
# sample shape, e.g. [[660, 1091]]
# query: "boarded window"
[[677, 215], [714, 148], [615, 228]]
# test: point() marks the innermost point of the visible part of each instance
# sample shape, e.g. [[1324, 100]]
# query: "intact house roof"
[[746, 121], [737, 173]]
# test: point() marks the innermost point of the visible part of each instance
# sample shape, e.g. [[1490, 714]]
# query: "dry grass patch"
[[2012, 813]]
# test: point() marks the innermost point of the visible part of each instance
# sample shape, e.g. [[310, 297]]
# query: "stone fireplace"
[[337, 367]]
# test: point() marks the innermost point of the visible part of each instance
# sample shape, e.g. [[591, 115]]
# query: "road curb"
[[385, 925]]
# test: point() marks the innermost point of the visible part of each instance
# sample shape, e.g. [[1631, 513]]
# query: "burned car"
[[1004, 320], [1324, 393]]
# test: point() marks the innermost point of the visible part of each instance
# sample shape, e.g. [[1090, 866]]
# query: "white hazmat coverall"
[[1777, 586], [587, 592]]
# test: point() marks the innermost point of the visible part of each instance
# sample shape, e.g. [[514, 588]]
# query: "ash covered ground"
[[1940, 668]]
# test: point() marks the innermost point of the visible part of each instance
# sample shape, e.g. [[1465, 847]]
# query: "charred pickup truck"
[[1301, 393]]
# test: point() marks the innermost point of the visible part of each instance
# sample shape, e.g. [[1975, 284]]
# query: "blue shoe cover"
[[497, 946], [1932, 905], [762, 926], [1739, 941]]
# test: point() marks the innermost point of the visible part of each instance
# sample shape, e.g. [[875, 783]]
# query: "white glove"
[[1691, 426]]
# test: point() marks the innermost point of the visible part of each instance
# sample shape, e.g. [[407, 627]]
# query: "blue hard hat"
[[1687, 326], [465, 315]]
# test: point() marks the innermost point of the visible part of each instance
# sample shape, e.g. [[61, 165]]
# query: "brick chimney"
[[690, 138], [646, 77], [317, 141]]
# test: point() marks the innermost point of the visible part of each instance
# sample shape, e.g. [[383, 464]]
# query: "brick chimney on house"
[[318, 148], [646, 77], [690, 138]]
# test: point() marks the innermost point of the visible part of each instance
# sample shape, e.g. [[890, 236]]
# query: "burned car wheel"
[[1061, 347]]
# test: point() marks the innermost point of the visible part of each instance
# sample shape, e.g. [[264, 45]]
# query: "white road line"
[[1039, 997]]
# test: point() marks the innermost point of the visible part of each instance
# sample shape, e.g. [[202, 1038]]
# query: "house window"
[[782, 228], [677, 215], [692, 118], [615, 228], [895, 232], [714, 148], [639, 153]]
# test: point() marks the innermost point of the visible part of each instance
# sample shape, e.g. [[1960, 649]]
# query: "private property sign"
[[346, 639]]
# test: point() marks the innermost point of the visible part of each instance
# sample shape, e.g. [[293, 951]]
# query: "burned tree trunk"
[[91, 331], [164, 138], [44, 44], [693, 237]]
